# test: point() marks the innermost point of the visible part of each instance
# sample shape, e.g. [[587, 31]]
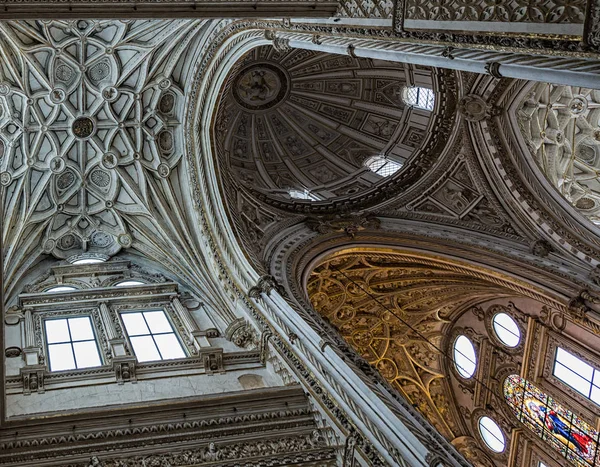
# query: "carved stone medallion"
[[83, 127], [261, 86]]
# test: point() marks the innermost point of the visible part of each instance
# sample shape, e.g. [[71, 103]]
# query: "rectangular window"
[[541, 464], [574, 372], [71, 344], [152, 336]]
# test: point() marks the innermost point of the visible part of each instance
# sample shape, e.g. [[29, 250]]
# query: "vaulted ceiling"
[[305, 120], [92, 141]]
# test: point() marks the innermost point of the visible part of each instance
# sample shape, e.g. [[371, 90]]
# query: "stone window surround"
[[554, 386], [103, 306]]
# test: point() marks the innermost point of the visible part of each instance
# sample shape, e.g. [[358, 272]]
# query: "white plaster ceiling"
[[561, 124], [92, 140]]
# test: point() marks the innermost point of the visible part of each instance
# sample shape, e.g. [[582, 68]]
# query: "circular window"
[[464, 356], [491, 434], [507, 330]]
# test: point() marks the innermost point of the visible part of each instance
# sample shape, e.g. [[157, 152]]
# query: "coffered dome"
[[305, 125]]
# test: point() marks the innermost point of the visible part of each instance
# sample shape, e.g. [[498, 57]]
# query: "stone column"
[[199, 338], [116, 342], [31, 352]]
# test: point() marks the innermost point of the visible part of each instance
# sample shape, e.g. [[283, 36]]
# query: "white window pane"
[[464, 356], [595, 396], [61, 288], [88, 261], [491, 434], [128, 283], [157, 321], [597, 378], [144, 349], [57, 331], [86, 354], [135, 324], [81, 329], [541, 464], [572, 379], [169, 346], [507, 330], [61, 357], [574, 363]]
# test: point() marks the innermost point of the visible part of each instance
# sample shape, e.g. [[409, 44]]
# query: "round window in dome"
[[464, 356], [507, 330], [491, 434]]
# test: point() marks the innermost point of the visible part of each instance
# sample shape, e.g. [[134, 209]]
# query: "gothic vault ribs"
[[277, 426], [94, 134], [561, 125], [344, 289]]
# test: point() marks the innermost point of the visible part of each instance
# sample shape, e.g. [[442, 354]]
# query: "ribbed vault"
[[92, 143], [398, 313]]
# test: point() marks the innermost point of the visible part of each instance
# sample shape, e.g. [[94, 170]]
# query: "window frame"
[[497, 335], [430, 96], [484, 438], [66, 318], [175, 330], [595, 374], [455, 365], [561, 391], [386, 161]]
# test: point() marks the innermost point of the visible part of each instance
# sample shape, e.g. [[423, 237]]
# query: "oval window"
[[491, 434], [507, 330], [128, 283], [61, 288], [88, 261], [464, 356]]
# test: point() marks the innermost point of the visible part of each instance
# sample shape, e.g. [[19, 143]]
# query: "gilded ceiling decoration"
[[303, 120], [561, 124], [387, 308]]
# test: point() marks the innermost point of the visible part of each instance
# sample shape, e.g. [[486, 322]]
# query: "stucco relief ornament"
[[350, 225], [475, 108], [595, 275], [260, 86], [541, 248]]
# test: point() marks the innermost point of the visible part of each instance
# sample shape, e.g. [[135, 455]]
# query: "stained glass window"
[[568, 435]]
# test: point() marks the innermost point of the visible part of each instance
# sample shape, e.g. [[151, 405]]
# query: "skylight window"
[[71, 344], [577, 374], [491, 434], [507, 330], [128, 283], [152, 336], [383, 166], [464, 356], [422, 98], [303, 194]]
